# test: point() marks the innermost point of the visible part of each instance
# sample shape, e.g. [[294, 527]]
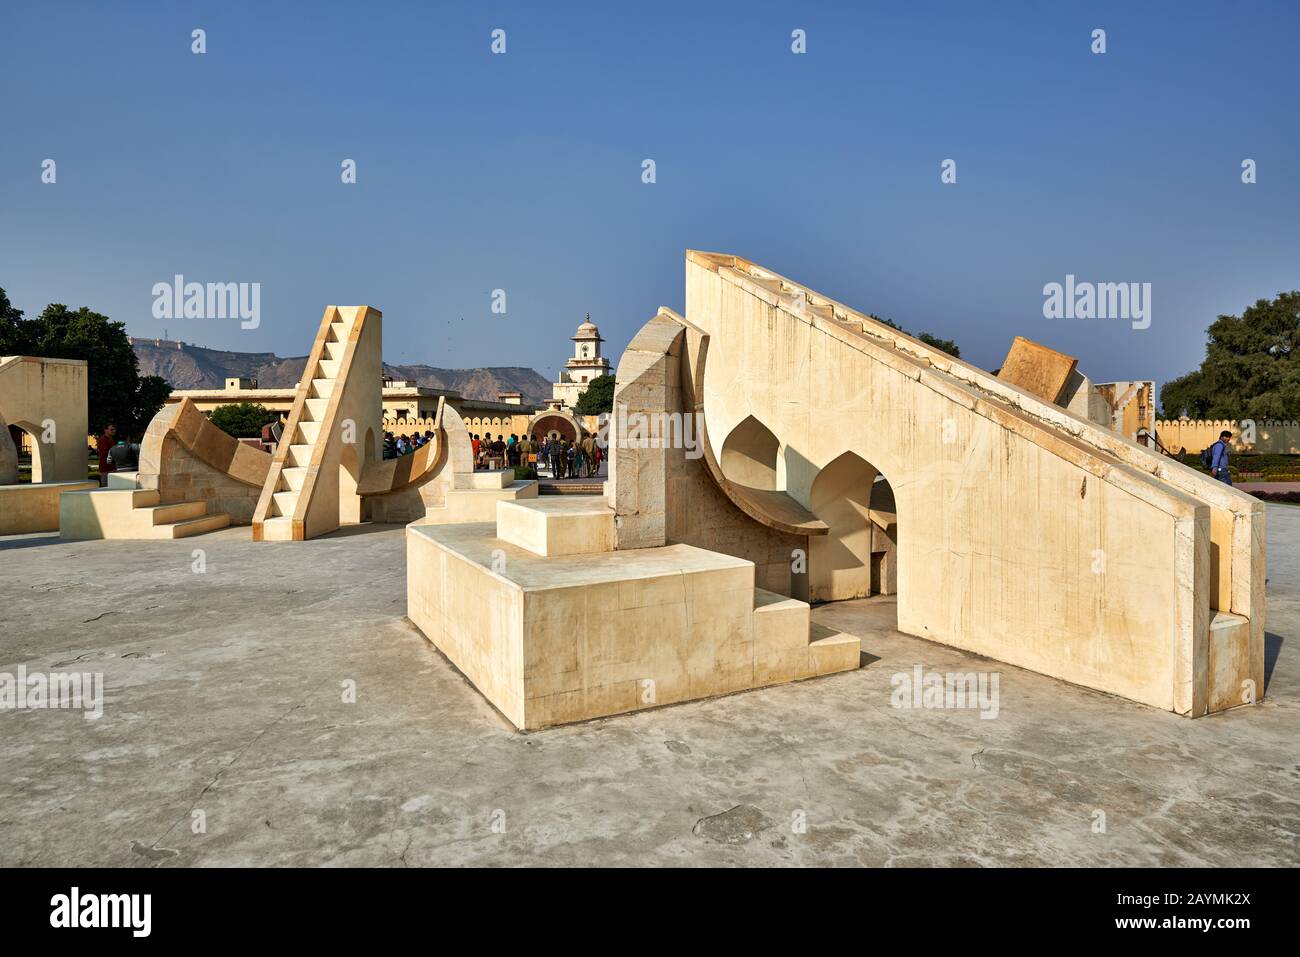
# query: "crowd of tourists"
[[559, 456], [563, 458], [397, 446]]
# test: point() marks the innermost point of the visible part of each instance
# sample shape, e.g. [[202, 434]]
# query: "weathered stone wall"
[[186, 478], [409, 504], [36, 392], [664, 494], [35, 507], [1024, 533], [8, 455], [188, 459]]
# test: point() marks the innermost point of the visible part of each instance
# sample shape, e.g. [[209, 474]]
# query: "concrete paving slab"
[[226, 692]]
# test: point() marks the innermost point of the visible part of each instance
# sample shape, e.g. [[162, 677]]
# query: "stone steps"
[[131, 513], [571, 488], [311, 410], [789, 646]]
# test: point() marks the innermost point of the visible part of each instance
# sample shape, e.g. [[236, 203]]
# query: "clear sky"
[[523, 171]]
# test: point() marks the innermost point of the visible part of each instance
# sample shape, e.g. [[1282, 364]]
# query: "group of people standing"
[[396, 447], [564, 458]]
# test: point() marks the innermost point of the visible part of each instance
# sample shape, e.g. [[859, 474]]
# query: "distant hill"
[[193, 367]]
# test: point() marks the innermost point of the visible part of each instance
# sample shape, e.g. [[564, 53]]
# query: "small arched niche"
[[749, 455]]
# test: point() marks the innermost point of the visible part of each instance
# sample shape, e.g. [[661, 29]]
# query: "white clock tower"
[[587, 364]]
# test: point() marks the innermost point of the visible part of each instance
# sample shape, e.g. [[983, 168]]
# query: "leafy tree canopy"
[[598, 398], [243, 420], [1251, 369], [116, 391], [934, 342], [943, 345]]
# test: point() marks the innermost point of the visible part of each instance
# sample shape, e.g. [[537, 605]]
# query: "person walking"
[[106, 441], [1218, 458], [557, 458], [528, 455]]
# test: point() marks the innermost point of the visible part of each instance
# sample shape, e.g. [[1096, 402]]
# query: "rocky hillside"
[[193, 367]]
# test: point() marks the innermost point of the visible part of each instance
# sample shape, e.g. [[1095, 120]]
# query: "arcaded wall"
[[1195, 434]]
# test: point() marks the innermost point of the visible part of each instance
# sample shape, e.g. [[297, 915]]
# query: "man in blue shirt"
[[1219, 458]]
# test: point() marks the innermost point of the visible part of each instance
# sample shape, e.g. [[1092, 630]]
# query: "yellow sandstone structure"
[[327, 470], [773, 447], [46, 400], [192, 478], [769, 449], [335, 428]]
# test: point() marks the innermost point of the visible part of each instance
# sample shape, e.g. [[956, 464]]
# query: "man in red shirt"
[[106, 442]]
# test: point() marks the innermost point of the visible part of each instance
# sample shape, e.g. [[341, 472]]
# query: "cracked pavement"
[[227, 740]]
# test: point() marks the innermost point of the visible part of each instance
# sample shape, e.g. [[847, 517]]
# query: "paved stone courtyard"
[[224, 706]]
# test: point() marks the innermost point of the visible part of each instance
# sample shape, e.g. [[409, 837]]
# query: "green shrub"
[[243, 420]]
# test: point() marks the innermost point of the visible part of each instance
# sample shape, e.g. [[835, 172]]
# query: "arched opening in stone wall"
[[352, 507], [27, 443], [749, 455], [858, 557]]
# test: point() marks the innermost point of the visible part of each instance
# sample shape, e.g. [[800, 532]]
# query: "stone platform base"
[[34, 507], [132, 513], [552, 640]]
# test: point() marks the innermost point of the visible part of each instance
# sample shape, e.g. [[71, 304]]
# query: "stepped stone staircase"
[[123, 511], [592, 487], [304, 453], [551, 635], [307, 414]]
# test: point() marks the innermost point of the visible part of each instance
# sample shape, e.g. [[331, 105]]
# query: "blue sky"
[[522, 171]]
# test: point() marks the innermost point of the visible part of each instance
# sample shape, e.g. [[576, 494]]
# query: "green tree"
[[1251, 369], [115, 392], [243, 420], [11, 326], [943, 345], [934, 342], [598, 398]]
